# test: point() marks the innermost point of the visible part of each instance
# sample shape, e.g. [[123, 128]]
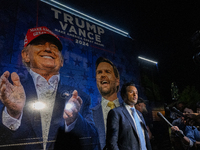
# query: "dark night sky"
[[162, 29]]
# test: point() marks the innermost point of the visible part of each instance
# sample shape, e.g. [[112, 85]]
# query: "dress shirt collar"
[[128, 107], [104, 102], [38, 78]]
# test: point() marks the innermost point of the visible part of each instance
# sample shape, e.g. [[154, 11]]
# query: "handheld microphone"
[[177, 111], [178, 133], [161, 116]]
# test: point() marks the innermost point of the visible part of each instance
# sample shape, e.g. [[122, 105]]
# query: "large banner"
[[83, 43]]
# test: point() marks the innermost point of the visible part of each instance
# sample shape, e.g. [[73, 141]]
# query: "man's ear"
[[25, 56], [62, 60], [117, 81], [125, 97]]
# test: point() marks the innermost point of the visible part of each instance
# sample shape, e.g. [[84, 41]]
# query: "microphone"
[[177, 111], [178, 133], [161, 116]]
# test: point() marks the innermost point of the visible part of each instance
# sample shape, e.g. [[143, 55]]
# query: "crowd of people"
[[185, 133]]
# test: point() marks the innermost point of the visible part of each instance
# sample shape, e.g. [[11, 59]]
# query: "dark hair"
[[124, 88], [140, 100], [102, 59], [180, 108], [198, 105], [190, 106]]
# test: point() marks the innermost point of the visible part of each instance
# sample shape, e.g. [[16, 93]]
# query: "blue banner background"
[[79, 60]]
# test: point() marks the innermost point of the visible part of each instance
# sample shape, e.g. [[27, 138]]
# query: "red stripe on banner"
[[103, 49]]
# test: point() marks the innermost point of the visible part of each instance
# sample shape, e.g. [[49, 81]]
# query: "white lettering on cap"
[[25, 40], [38, 33], [36, 29]]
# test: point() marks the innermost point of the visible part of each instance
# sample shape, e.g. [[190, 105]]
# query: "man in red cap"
[[35, 112]]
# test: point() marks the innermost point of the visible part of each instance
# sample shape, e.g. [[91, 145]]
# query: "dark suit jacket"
[[99, 124], [83, 135], [121, 131]]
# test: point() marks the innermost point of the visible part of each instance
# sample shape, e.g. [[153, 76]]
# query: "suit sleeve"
[[112, 131]]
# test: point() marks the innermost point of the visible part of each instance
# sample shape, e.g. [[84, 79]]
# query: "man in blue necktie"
[[126, 128]]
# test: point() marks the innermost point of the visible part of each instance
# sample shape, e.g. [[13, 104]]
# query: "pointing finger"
[[75, 94]]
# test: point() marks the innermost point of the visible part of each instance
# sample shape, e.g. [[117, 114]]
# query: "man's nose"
[[47, 46], [103, 74]]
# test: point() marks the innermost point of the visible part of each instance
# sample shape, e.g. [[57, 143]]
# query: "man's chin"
[[105, 92]]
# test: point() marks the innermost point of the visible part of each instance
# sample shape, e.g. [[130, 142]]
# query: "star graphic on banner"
[[94, 53], [89, 64], [71, 75], [77, 84], [77, 62], [69, 48], [83, 51], [91, 90], [85, 76]]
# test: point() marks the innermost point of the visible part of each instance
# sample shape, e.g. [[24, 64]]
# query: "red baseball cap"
[[34, 33]]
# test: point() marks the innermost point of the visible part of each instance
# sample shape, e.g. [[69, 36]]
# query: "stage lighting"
[[148, 60], [86, 17]]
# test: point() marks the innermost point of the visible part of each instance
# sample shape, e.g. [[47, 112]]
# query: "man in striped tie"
[[126, 128]]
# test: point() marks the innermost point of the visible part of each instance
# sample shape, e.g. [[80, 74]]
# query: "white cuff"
[[10, 122], [191, 143]]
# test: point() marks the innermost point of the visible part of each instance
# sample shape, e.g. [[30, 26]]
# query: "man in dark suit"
[[38, 107], [107, 78], [126, 128]]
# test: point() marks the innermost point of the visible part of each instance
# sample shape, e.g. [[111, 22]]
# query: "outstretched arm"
[[184, 138]]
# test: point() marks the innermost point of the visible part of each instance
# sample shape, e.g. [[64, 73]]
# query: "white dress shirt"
[[106, 109]]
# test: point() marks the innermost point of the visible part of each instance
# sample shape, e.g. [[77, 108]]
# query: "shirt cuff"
[[191, 143], [10, 122], [68, 128]]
